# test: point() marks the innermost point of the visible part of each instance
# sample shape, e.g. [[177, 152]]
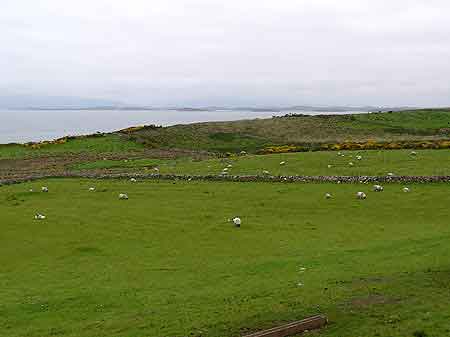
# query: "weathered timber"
[[293, 328]]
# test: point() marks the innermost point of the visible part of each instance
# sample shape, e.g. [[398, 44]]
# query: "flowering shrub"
[[133, 129], [59, 141], [282, 149], [368, 145]]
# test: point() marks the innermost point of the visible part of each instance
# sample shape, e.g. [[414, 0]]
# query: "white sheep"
[[229, 166], [39, 216], [237, 221], [266, 172], [339, 153], [390, 174], [406, 189], [378, 188], [91, 189], [361, 195], [133, 180], [44, 189], [282, 163], [358, 157], [350, 164], [413, 153], [328, 196], [225, 169], [123, 196]]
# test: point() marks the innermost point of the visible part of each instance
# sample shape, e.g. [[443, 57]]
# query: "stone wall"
[[253, 178]]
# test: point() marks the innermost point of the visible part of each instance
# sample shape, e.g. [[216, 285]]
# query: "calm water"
[[35, 125]]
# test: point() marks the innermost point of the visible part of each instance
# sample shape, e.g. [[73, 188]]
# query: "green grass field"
[[109, 143], [166, 262], [373, 162]]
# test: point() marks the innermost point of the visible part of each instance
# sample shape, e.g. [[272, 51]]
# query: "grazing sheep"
[[413, 153], [133, 180], [350, 164], [225, 169], [282, 163], [243, 153], [339, 153], [266, 172], [390, 174], [31, 190], [156, 169], [44, 189], [229, 166], [328, 196], [361, 195], [406, 189], [123, 196], [92, 189], [358, 157], [378, 188], [237, 221], [329, 166], [39, 216]]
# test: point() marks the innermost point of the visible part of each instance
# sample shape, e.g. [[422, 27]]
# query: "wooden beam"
[[293, 328]]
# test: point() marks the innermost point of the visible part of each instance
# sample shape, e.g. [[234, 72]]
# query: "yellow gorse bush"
[[354, 146]]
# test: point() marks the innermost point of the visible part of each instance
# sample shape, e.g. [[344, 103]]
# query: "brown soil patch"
[[11, 169], [362, 302]]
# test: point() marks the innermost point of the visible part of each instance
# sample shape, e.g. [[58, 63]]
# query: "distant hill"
[[298, 129], [35, 102], [52, 102]]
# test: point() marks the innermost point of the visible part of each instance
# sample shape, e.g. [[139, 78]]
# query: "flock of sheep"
[[236, 220]]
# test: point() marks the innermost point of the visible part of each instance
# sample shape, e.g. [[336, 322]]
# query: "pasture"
[[373, 162], [108, 143], [167, 263]]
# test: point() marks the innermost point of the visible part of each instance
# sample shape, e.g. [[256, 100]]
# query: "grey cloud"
[[226, 52]]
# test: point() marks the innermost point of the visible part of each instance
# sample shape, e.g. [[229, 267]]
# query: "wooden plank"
[[293, 328]]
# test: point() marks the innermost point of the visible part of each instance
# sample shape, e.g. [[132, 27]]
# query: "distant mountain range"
[[78, 103]]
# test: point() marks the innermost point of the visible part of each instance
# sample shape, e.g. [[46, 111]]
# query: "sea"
[[21, 126]]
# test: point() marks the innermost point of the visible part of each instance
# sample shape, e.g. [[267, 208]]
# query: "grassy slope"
[[400, 162], [165, 263], [106, 144], [426, 119], [250, 135]]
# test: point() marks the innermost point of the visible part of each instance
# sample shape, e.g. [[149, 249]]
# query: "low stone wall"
[[253, 178]]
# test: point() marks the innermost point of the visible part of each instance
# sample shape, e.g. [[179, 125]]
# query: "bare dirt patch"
[[59, 164], [363, 302]]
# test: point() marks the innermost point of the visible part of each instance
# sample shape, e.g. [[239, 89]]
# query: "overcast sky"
[[229, 52]]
